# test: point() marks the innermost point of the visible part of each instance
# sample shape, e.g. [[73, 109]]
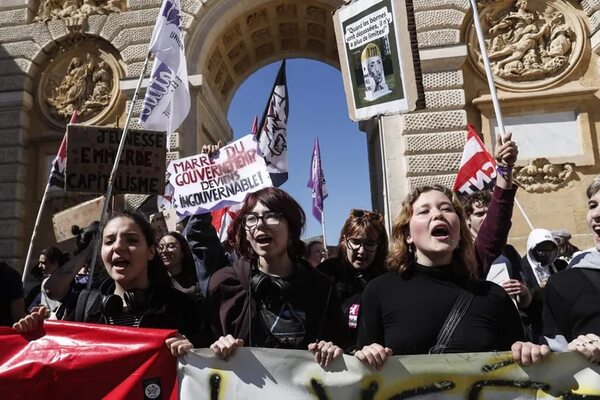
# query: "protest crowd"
[[423, 290], [443, 280]]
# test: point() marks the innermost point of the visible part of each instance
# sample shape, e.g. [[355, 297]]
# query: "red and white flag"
[[57, 174], [223, 218], [477, 166]]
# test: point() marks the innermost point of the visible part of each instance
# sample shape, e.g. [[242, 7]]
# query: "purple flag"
[[316, 182]]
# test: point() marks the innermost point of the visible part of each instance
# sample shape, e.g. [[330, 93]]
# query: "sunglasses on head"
[[369, 215]]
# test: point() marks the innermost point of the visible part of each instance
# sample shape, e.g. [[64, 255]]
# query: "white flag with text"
[[167, 100]]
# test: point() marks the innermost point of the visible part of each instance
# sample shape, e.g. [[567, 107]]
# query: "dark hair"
[[188, 265], [54, 255], [157, 273], [276, 200], [483, 197], [371, 224], [401, 255]]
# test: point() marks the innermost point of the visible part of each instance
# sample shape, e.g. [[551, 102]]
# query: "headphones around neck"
[[266, 286], [112, 304]]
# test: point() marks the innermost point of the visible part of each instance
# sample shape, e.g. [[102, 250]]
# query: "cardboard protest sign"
[[91, 153], [376, 58], [254, 373], [202, 184], [81, 215]]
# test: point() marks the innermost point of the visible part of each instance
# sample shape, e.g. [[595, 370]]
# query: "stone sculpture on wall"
[[57, 9], [540, 175], [86, 87], [81, 80], [527, 43]]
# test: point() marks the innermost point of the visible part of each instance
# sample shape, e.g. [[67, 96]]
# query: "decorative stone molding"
[[540, 175], [530, 44], [75, 9], [84, 79]]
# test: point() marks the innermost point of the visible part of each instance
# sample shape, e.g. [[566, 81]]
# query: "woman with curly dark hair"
[[271, 297]]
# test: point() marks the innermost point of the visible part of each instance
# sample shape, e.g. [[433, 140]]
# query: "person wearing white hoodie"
[[537, 266], [572, 297]]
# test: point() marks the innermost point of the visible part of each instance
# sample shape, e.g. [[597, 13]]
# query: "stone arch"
[[234, 39]]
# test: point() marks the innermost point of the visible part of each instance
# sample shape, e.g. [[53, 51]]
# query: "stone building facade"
[[85, 55]]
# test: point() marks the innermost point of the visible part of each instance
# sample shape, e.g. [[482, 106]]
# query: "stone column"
[[14, 121], [209, 119]]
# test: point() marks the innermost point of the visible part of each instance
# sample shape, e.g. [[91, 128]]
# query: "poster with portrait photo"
[[376, 61]]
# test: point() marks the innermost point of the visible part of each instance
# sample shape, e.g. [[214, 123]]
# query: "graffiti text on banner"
[[293, 374]]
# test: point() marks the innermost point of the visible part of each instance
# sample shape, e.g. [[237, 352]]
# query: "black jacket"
[[163, 307]]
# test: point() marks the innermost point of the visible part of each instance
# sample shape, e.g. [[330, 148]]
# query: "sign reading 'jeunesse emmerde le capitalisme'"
[[202, 183], [91, 153]]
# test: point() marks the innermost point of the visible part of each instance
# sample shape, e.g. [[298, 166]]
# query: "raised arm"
[[58, 284], [493, 234]]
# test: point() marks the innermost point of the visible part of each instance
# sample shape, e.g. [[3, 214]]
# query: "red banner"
[[87, 361]]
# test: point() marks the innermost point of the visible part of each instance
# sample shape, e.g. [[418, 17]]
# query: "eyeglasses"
[[270, 219], [355, 244], [373, 216], [168, 246]]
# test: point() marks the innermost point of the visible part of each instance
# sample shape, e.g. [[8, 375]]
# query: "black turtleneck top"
[[406, 311]]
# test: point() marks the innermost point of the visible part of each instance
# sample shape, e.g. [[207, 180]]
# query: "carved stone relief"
[[82, 80], [316, 13], [540, 175], [232, 35], [288, 28], [256, 19], [56, 9], [287, 10], [531, 42], [261, 35]]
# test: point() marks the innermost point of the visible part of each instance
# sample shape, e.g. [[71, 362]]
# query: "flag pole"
[[27, 267], [323, 228], [488, 72], [493, 93], [113, 173], [386, 205]]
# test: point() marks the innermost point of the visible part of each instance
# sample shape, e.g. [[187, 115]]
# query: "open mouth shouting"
[[263, 240], [120, 264], [441, 232]]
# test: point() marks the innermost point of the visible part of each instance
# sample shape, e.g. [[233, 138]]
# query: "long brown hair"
[[401, 255]]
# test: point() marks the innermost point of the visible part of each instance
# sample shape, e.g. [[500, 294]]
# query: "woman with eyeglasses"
[[271, 297], [362, 249], [191, 259], [429, 302]]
